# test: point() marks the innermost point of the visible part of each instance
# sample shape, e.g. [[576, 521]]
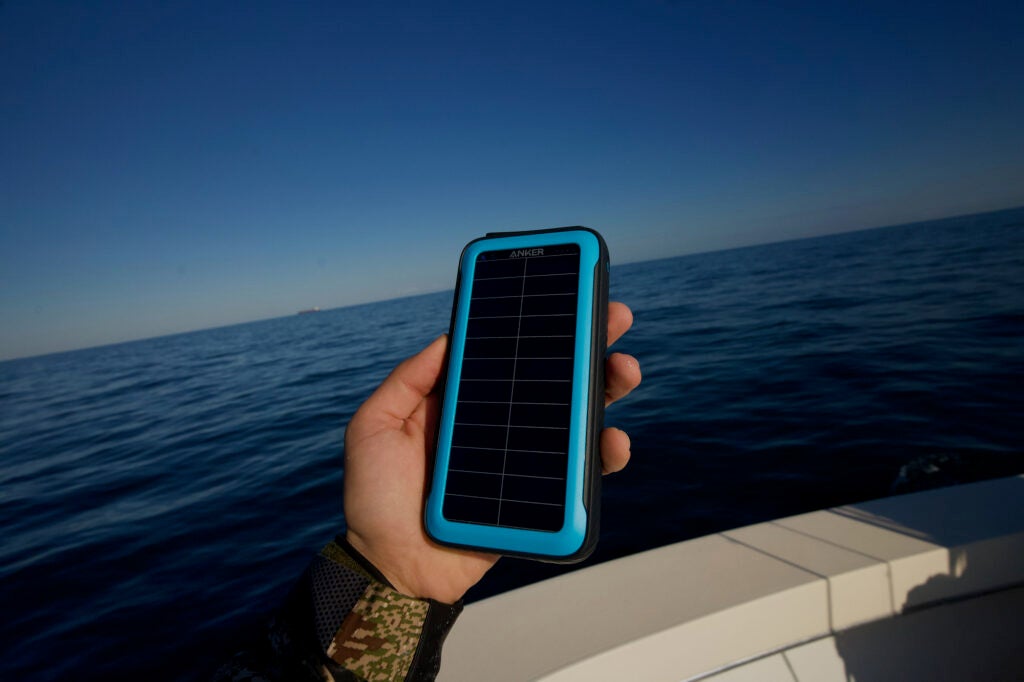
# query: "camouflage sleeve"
[[344, 621]]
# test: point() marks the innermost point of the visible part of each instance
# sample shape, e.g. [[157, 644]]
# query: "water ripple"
[[158, 497]]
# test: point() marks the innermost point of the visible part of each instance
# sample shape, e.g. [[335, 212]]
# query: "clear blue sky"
[[167, 166]]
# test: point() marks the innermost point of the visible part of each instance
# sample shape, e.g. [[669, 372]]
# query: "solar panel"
[[510, 440]]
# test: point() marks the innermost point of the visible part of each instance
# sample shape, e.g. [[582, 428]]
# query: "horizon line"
[[438, 291]]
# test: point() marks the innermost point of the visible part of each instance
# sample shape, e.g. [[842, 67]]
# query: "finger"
[[614, 450], [621, 376], [409, 383], [620, 319]]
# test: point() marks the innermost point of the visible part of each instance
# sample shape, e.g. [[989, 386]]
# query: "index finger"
[[620, 319]]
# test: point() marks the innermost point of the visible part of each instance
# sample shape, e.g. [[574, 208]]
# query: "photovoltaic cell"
[[510, 441]]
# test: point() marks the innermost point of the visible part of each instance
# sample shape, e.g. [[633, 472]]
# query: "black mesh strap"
[[335, 590]]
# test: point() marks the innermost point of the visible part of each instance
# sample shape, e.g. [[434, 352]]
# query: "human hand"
[[386, 448]]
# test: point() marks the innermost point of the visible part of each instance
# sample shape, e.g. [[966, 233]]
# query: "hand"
[[386, 448]]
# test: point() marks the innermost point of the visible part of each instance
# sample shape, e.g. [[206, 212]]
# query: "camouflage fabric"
[[344, 622], [379, 638]]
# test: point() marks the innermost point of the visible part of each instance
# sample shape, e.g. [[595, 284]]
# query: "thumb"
[[408, 384]]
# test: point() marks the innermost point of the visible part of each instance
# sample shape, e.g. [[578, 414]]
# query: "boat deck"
[[922, 586]]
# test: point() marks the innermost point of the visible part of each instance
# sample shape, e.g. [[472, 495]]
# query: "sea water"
[[159, 497]]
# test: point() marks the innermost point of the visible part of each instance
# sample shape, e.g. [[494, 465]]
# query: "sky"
[[170, 166]]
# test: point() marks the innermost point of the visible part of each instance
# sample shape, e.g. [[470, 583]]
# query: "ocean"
[[159, 497]]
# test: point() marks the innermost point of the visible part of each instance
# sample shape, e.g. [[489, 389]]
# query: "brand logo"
[[523, 253]]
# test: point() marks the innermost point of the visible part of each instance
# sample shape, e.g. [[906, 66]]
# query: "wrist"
[[376, 563], [410, 574], [393, 569]]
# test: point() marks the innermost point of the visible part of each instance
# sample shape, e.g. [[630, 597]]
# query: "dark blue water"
[[157, 497]]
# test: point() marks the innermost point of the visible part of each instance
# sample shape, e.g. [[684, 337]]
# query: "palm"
[[385, 475]]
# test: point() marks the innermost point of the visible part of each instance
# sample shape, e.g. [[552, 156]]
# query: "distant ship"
[[314, 309]]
